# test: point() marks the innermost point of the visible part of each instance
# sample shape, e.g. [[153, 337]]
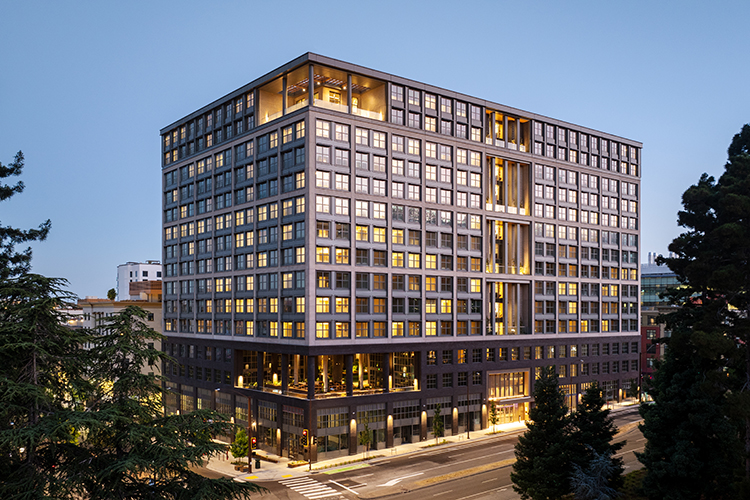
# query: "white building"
[[134, 272]]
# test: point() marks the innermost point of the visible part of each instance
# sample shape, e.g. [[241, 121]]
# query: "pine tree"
[[543, 453], [700, 422], [594, 481], [13, 263], [594, 429], [42, 370], [692, 449], [127, 448]]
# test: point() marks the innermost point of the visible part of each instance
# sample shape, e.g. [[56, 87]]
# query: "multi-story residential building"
[[92, 310], [344, 246], [133, 272], [655, 280]]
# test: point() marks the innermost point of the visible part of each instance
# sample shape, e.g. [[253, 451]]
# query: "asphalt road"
[[473, 470]]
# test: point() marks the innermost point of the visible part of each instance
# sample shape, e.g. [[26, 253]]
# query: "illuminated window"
[[430, 261], [446, 306], [322, 330], [342, 255], [323, 255], [322, 305], [342, 304]]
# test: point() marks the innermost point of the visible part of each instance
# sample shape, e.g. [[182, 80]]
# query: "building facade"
[[343, 246], [655, 280], [92, 311], [135, 272]]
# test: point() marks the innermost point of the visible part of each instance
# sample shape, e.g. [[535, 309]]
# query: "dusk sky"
[[86, 86]]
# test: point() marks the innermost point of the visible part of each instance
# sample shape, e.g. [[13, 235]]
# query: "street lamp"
[[249, 431]]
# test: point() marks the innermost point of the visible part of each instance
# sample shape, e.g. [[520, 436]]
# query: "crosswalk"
[[310, 488]]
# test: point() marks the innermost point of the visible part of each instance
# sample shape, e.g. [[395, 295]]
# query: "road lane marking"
[[309, 488], [398, 479], [346, 488], [441, 493], [502, 488], [490, 480]]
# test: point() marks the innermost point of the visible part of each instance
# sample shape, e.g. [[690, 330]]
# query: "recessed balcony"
[[332, 89]]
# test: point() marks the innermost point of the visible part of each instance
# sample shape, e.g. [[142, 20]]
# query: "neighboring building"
[[655, 280], [132, 272], [93, 310], [389, 248]]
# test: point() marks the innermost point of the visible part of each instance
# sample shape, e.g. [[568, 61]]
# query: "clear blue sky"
[[86, 86]]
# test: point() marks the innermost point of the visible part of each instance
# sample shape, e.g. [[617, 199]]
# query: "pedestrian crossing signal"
[[303, 439]]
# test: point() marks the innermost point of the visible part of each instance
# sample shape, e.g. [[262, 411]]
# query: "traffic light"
[[314, 440], [254, 443], [303, 439]]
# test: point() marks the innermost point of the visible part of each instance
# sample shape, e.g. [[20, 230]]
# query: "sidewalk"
[[270, 471]]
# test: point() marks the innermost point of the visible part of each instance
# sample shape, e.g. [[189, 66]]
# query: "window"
[[397, 93]]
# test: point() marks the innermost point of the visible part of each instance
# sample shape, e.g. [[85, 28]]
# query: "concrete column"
[[284, 368], [349, 364], [311, 361], [311, 84], [349, 91], [283, 96], [259, 362], [387, 372]]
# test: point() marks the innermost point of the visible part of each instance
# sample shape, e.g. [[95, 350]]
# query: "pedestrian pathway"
[[310, 488]]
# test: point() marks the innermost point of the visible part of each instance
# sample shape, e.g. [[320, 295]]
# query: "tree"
[[42, 370], [365, 437], [543, 467], [593, 431], [128, 448], [493, 417], [698, 430], [13, 263], [437, 424], [692, 449], [240, 444], [87, 423], [111, 294], [593, 482]]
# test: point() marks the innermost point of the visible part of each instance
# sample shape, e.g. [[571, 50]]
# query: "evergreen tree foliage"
[[80, 419], [543, 453], [13, 263], [593, 481], [240, 444], [41, 380], [127, 448], [594, 429], [698, 430]]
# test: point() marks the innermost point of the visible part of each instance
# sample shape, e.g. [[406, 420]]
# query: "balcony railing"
[[297, 106], [368, 114], [341, 108]]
